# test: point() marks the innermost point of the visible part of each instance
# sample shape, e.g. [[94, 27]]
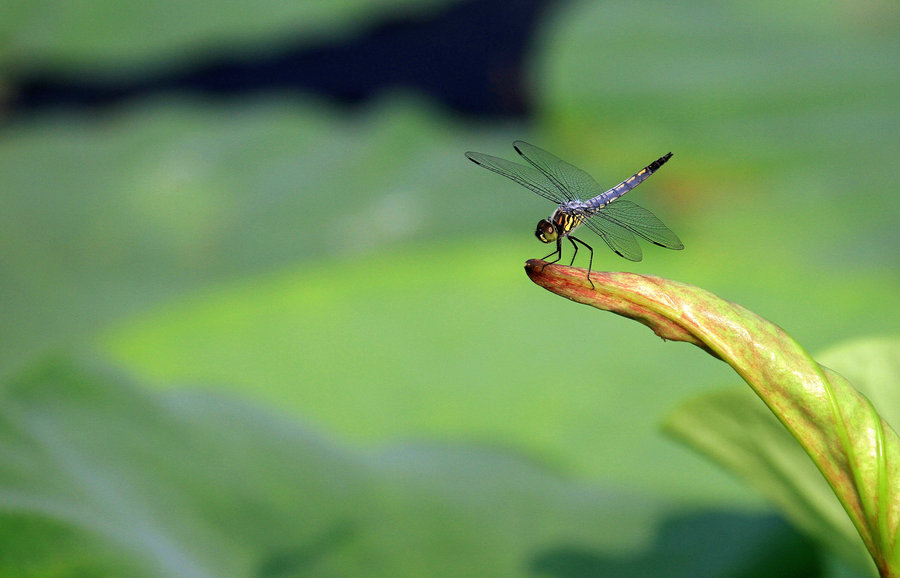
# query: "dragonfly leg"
[[572, 262], [558, 253], [590, 259]]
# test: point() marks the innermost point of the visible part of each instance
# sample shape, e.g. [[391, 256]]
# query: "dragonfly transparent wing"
[[527, 176], [573, 183], [617, 237], [638, 220]]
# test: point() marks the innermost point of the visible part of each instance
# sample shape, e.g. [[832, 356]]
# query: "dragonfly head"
[[546, 232]]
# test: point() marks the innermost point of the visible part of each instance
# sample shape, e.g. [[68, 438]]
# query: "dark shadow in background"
[[469, 58], [697, 546], [302, 560]]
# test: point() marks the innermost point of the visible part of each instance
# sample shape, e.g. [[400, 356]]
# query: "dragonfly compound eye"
[[546, 232]]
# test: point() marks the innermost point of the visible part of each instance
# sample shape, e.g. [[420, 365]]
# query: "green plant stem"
[[854, 449]]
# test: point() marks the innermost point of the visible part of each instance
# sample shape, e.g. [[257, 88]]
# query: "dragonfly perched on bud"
[[581, 201]]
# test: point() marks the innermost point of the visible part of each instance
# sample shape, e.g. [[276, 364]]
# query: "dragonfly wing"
[[527, 176], [640, 221], [572, 182], [617, 237]]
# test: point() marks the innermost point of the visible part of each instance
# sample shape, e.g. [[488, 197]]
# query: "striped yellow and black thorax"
[[565, 221]]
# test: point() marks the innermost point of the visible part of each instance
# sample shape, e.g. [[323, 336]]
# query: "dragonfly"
[[581, 201]]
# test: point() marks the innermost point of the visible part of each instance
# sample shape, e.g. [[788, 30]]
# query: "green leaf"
[[873, 366], [857, 452], [102, 219], [100, 477], [103, 477], [697, 78], [736, 431]]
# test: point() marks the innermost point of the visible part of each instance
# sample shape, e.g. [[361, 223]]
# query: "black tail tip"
[[659, 162]]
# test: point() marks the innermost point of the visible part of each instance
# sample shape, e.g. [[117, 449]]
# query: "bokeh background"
[[259, 316]]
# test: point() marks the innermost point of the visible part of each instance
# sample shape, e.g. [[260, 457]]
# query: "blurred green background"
[[274, 333]]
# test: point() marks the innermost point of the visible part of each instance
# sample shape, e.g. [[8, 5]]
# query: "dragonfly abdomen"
[[631, 182]]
